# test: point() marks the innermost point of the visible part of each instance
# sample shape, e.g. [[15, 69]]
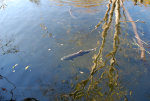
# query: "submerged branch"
[[70, 12], [134, 21], [135, 32]]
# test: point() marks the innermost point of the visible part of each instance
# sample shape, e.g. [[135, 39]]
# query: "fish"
[[77, 54]]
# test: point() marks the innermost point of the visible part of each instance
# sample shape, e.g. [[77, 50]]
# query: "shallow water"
[[36, 34]]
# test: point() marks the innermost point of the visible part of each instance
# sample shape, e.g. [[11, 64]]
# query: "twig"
[[135, 32], [14, 87], [134, 21]]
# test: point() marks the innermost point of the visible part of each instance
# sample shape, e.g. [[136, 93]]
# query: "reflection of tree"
[[145, 2], [8, 48], [102, 82], [88, 4], [4, 89], [81, 3], [35, 1], [3, 4]]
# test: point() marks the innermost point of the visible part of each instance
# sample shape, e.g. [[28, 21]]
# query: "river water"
[[36, 34]]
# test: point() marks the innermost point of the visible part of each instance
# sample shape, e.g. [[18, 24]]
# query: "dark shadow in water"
[[5, 89]]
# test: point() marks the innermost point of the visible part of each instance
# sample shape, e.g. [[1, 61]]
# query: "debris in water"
[[3, 89], [15, 66], [49, 49], [27, 67], [30, 99], [81, 72]]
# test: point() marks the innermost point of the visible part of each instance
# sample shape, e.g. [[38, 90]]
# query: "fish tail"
[[95, 48]]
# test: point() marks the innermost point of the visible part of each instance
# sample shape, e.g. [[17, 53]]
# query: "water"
[[36, 34]]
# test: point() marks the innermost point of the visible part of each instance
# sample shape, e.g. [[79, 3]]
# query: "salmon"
[[77, 54]]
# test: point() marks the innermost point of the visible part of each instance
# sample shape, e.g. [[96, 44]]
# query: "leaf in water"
[[3, 89], [27, 67], [15, 66], [130, 93], [45, 28]]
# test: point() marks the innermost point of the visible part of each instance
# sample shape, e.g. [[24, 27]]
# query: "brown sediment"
[[135, 32], [81, 86]]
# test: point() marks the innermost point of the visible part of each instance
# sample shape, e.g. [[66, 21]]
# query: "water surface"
[[36, 34]]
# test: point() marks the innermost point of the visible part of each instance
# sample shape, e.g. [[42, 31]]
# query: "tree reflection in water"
[[35, 1], [3, 4], [80, 3], [144, 2], [103, 83], [7, 47]]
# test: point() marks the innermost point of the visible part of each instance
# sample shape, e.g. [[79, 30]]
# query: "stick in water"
[[135, 32]]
